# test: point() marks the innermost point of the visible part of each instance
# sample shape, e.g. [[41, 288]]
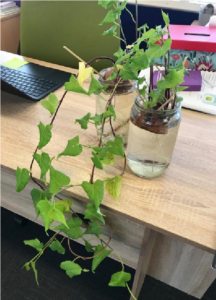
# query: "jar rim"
[[139, 104], [124, 83]]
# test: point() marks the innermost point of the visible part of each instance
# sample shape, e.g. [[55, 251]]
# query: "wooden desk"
[[180, 206], [10, 32]]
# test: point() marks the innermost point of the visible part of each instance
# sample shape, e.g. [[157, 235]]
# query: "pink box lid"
[[195, 38]]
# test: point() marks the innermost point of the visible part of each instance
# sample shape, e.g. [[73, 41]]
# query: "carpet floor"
[[18, 284]]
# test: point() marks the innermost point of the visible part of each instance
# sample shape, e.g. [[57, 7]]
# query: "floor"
[[18, 284]]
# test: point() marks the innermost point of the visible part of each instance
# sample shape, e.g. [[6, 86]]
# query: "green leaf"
[[84, 121], [156, 51], [38, 195], [143, 91], [120, 8], [108, 159], [172, 79], [120, 278], [140, 62], [92, 213], [112, 111], [35, 244], [26, 265], [22, 178], [45, 134], [44, 162], [73, 230], [66, 203], [119, 53], [94, 228], [110, 17], [73, 148], [72, 269], [51, 104], [107, 4], [143, 27], [57, 246], [111, 31], [101, 151], [57, 180], [96, 161], [128, 72], [165, 18], [95, 86], [97, 119], [181, 88], [89, 247], [95, 191], [99, 258], [74, 86], [35, 271], [113, 187], [148, 34], [50, 213], [117, 146]]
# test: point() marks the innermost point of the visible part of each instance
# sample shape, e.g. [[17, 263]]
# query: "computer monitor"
[[187, 5]]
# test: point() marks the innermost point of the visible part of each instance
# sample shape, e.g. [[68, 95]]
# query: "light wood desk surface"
[[181, 203]]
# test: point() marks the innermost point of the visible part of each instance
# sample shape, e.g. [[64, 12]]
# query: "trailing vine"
[[48, 201]]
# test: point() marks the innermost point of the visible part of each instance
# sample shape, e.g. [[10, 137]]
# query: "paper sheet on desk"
[[205, 100]]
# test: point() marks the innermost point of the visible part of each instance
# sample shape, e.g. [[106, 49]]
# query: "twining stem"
[[136, 5], [117, 37], [130, 13]]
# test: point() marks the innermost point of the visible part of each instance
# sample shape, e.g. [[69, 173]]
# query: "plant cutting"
[[157, 107]]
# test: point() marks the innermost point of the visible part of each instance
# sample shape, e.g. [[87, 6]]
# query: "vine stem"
[[130, 291]]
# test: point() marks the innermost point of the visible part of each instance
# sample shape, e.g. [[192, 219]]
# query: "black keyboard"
[[26, 85]]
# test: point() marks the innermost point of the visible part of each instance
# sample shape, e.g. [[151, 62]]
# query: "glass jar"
[[151, 139], [122, 102]]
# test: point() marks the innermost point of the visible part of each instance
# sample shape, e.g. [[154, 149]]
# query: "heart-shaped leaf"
[[44, 162], [72, 269], [94, 228], [99, 258], [51, 104], [57, 246], [113, 187], [95, 191], [117, 146], [22, 177], [74, 86], [73, 148], [92, 213], [57, 180], [73, 228], [45, 134], [119, 279], [38, 195], [84, 121], [35, 244]]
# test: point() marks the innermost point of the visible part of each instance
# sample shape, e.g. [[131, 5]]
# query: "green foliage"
[[165, 18], [38, 195], [117, 146], [99, 255], [128, 72], [113, 186], [171, 80], [84, 121], [89, 247], [73, 228], [51, 104], [57, 246], [72, 269], [156, 51], [66, 203], [97, 161], [45, 134], [181, 88], [92, 213], [51, 212], [73, 148], [120, 8], [94, 228], [35, 271], [108, 159], [111, 31], [74, 86], [35, 244], [110, 17], [44, 163], [120, 279], [22, 178], [95, 86], [119, 53], [107, 4], [95, 191], [57, 180]]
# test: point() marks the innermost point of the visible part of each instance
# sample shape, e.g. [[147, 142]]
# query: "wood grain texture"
[[181, 203], [10, 32]]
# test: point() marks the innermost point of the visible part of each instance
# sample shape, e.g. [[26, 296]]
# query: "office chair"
[[47, 26]]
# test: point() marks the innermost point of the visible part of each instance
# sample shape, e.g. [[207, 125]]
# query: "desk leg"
[[143, 262]]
